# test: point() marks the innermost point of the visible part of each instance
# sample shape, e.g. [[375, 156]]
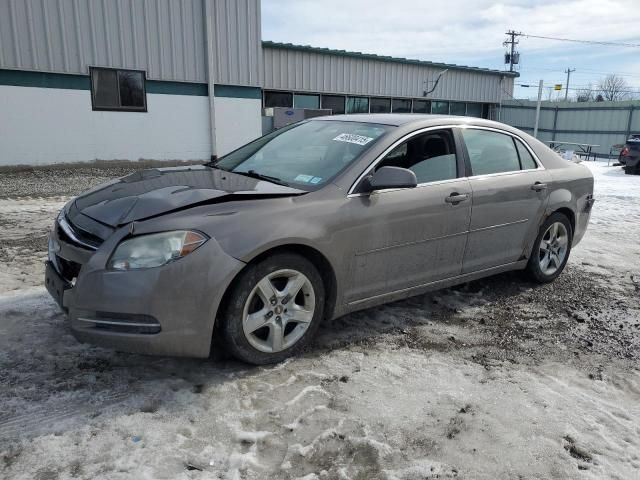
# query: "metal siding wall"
[[290, 69], [164, 37], [238, 39], [589, 124]]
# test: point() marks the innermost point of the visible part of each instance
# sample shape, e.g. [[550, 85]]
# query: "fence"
[[599, 123]]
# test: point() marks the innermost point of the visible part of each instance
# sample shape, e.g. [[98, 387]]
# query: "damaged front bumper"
[[167, 310]]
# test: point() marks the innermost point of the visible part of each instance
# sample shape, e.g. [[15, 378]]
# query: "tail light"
[[625, 152]]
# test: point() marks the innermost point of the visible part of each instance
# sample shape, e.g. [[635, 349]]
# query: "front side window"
[[431, 156], [490, 152], [120, 90], [305, 155]]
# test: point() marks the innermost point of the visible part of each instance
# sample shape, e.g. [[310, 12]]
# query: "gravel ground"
[[498, 378], [61, 180]]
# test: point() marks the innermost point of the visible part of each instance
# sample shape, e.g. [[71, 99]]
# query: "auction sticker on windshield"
[[353, 138]]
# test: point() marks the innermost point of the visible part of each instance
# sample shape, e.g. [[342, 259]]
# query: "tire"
[[632, 170], [536, 266], [246, 302]]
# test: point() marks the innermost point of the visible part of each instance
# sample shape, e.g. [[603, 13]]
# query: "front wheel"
[[551, 249], [273, 309]]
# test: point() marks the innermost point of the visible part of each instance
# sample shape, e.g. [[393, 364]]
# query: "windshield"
[[306, 155]]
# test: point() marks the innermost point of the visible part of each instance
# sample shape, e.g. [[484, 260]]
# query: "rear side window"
[[526, 160], [490, 152]]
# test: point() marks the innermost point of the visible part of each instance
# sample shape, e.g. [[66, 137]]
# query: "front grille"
[[70, 233], [68, 269]]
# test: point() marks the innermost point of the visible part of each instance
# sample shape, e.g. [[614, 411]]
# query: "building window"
[[458, 108], [278, 99], [122, 90], [401, 105], [306, 101], [421, 106], [334, 103], [474, 109], [357, 105], [380, 105], [440, 107]]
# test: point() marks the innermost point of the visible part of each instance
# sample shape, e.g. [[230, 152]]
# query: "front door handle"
[[538, 187], [455, 198]]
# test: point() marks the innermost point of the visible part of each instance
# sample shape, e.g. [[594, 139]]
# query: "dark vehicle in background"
[[630, 155]]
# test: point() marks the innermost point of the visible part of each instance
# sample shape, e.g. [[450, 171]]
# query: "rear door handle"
[[456, 198], [538, 187]]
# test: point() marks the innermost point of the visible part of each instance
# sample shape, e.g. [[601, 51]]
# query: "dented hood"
[[153, 192]]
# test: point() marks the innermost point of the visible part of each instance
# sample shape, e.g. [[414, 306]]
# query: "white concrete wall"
[[238, 121], [48, 125]]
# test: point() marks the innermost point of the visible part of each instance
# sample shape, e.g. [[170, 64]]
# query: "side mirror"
[[389, 177]]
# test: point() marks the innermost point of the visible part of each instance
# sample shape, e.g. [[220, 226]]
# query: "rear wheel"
[[273, 309], [551, 249]]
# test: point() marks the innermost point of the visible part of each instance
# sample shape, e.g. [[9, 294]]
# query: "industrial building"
[[187, 79]]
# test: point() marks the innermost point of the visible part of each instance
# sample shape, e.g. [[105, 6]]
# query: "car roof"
[[420, 119]]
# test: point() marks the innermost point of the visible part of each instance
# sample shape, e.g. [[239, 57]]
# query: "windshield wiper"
[[260, 176]]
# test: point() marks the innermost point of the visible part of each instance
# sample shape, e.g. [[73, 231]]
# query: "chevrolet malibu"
[[306, 224]]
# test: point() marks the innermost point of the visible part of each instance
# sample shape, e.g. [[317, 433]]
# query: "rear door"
[[509, 197]]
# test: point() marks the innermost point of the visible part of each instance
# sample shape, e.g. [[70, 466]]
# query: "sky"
[[471, 32]]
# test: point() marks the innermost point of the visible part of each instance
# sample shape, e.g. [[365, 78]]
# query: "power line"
[[628, 88], [590, 42]]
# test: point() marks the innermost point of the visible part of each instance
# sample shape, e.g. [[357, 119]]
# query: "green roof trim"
[[234, 91], [384, 58]]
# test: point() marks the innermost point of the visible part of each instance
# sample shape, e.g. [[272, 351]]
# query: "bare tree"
[[585, 94], [613, 88]]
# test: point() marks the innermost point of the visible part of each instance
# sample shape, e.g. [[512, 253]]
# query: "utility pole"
[[535, 129], [512, 42], [568, 72]]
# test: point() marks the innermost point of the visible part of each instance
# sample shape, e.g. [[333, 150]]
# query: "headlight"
[[155, 249]]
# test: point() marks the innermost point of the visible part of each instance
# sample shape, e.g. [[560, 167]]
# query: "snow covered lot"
[[496, 379]]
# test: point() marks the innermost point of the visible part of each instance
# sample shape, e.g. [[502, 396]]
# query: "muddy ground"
[[498, 378]]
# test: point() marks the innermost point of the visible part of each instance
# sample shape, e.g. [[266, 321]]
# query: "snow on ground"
[[25, 225], [612, 238], [495, 379]]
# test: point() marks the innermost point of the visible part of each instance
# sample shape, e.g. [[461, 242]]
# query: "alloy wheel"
[[278, 310], [553, 248]]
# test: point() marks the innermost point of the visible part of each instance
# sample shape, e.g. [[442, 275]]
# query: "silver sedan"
[[309, 223]]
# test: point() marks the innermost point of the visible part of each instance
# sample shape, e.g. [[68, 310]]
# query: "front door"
[[410, 237], [509, 199]]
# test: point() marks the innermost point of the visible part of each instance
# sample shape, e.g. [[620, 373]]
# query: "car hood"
[[153, 192]]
